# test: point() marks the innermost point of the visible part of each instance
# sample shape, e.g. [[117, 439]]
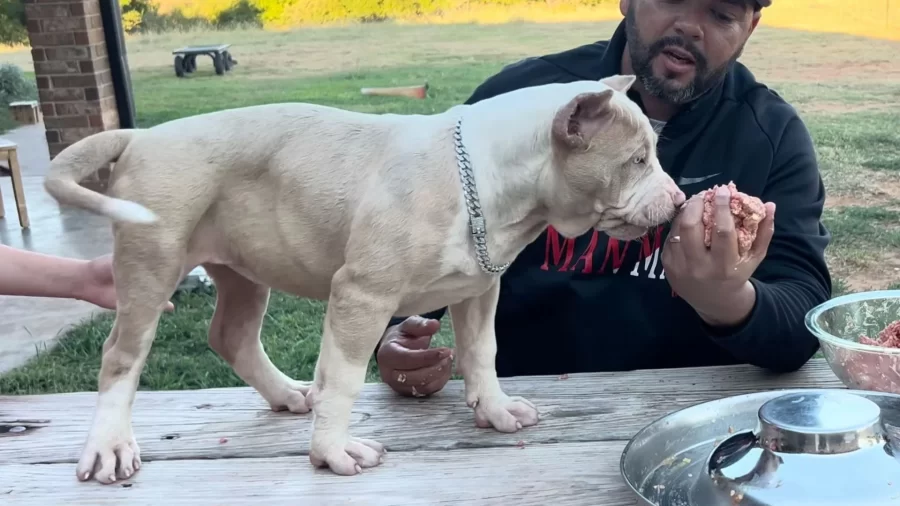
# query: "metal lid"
[[820, 423], [822, 448]]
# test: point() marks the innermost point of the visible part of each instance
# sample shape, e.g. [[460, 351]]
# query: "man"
[[596, 304]]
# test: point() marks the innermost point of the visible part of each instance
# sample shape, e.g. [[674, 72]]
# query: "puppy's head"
[[605, 172]]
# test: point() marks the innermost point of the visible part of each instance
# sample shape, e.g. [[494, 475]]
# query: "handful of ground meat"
[[746, 211]]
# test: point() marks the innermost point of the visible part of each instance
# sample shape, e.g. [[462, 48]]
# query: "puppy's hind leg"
[[144, 282], [234, 335], [476, 345], [356, 317]]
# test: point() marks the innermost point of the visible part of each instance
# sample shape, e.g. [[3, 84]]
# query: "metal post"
[[118, 61]]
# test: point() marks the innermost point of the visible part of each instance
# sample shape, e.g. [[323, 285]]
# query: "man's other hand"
[[408, 364]]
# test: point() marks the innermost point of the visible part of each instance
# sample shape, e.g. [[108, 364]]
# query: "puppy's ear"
[[579, 120], [619, 82]]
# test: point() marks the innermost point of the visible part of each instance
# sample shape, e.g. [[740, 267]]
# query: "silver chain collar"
[[476, 219]]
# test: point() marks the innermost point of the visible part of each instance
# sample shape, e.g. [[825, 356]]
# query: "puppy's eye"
[[639, 160]]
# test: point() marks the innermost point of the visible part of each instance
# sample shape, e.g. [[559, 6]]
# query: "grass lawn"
[[846, 88]]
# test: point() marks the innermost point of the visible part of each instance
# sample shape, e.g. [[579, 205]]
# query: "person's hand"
[[407, 364], [715, 281], [95, 284]]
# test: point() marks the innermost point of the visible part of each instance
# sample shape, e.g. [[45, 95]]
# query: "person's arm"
[[793, 278], [29, 274]]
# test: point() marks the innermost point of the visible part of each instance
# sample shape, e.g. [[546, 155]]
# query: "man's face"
[[681, 48]]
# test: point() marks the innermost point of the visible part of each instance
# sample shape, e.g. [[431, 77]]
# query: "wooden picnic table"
[[224, 446]]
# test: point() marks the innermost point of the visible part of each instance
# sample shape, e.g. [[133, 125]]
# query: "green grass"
[[848, 142], [161, 98], [852, 117], [181, 358], [853, 226]]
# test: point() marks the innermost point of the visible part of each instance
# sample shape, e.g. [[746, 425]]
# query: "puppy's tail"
[[82, 159]]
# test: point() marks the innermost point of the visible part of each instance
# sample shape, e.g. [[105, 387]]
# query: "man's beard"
[[642, 57]]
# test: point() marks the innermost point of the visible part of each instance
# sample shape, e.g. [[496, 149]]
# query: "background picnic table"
[[224, 446]]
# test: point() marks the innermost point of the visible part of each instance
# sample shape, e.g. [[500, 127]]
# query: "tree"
[[12, 23]]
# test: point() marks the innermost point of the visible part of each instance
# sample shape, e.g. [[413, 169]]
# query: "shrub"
[[329, 11], [169, 14], [162, 16], [241, 13], [15, 85], [166, 15]]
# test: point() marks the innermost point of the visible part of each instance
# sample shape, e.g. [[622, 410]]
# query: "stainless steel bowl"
[[800, 447], [838, 325], [821, 448]]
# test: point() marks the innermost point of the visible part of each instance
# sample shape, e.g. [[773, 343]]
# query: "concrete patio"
[[28, 325]]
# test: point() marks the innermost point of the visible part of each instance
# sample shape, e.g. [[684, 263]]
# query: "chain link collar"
[[476, 219]]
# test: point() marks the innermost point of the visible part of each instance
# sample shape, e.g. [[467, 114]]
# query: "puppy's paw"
[[504, 413], [109, 455], [311, 395], [349, 459], [293, 397]]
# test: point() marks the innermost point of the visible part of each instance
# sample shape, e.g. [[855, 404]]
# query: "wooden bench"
[[8, 152], [26, 112], [186, 58]]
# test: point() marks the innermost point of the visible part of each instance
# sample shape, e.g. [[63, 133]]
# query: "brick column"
[[71, 69]]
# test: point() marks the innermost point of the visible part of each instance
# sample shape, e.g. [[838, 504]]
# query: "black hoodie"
[[597, 304]]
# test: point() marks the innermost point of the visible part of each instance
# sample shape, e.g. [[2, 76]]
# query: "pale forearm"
[[32, 274]]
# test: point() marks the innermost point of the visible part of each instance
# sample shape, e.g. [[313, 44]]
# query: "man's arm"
[[793, 277]]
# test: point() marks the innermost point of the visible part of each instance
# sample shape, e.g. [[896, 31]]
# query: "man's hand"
[[715, 281], [407, 364]]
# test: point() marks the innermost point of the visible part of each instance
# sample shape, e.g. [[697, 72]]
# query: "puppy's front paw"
[[292, 397], [504, 413], [348, 459], [109, 455]]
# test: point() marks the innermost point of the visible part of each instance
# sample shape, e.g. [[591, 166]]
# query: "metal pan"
[[669, 462]]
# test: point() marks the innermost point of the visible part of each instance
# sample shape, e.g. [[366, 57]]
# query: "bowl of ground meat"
[[859, 335]]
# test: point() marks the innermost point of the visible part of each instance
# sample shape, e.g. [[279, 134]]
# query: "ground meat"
[[887, 338], [867, 370], [747, 212]]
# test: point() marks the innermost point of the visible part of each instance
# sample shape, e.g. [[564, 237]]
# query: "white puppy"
[[380, 215]]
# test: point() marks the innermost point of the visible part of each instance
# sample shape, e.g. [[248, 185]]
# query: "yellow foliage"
[[204, 9], [872, 18], [869, 18]]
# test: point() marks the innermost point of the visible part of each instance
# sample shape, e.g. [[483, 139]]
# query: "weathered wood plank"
[[583, 474], [190, 424]]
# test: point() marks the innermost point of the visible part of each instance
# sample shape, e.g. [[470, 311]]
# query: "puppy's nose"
[[679, 198]]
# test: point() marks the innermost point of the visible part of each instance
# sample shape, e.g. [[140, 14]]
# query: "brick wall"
[[72, 70]]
